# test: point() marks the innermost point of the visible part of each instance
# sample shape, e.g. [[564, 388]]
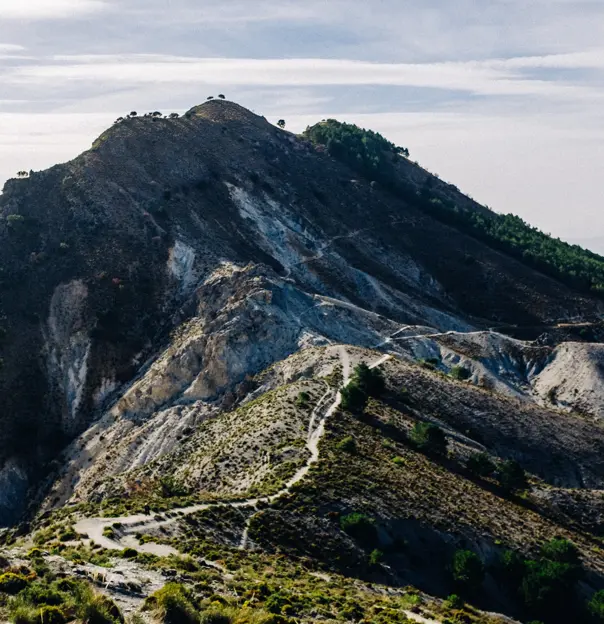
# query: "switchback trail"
[[124, 527]]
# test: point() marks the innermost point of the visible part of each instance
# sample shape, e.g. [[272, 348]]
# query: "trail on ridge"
[[124, 527]]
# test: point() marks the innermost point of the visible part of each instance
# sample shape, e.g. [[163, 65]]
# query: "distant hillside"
[[377, 159]]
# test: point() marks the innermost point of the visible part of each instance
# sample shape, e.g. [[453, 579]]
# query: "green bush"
[[460, 373], [547, 585], [276, 602], [511, 476], [50, 614], [302, 399], [468, 570], [370, 380], [511, 566], [129, 553], [215, 616], [40, 594], [174, 604], [429, 438], [596, 605], [347, 444], [360, 527], [561, 550], [12, 583], [20, 613], [170, 487], [375, 557], [354, 398], [454, 601], [67, 535], [13, 220], [480, 464]]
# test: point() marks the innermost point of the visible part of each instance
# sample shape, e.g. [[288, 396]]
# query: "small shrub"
[[468, 570], [14, 220], [12, 583], [39, 594], [347, 444], [215, 616], [375, 557], [50, 614], [174, 604], [303, 399], [429, 438], [99, 609], [276, 602], [596, 605], [170, 487], [353, 398], [129, 553], [23, 614], [67, 535], [480, 464], [454, 601], [560, 550], [399, 461], [547, 585], [511, 476], [461, 373], [360, 527], [370, 380]]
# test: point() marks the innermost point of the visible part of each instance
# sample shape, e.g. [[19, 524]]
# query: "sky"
[[503, 98]]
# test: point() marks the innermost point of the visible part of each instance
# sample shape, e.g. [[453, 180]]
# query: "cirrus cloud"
[[48, 9]]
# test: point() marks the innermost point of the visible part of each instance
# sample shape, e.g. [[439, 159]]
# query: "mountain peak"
[[220, 111]]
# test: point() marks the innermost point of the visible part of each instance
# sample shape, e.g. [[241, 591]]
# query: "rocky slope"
[[182, 309], [102, 256]]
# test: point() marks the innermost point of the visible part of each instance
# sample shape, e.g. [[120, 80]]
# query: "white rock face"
[[574, 378], [278, 235], [68, 347], [180, 264]]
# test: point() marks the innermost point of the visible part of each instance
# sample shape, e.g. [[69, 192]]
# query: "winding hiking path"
[[128, 525]]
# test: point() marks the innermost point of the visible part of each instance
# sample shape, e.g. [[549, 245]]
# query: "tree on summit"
[[221, 96], [281, 123]]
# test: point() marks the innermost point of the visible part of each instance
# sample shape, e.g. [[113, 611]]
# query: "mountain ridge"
[[181, 306]]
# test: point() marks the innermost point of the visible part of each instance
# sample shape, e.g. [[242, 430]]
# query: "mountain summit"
[[207, 309]]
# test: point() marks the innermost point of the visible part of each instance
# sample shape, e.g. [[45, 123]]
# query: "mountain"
[[304, 358]]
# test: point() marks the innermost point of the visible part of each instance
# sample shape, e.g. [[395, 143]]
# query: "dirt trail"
[[415, 617], [124, 527]]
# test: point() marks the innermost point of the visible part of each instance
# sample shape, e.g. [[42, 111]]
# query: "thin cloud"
[[48, 9], [11, 47], [491, 77]]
